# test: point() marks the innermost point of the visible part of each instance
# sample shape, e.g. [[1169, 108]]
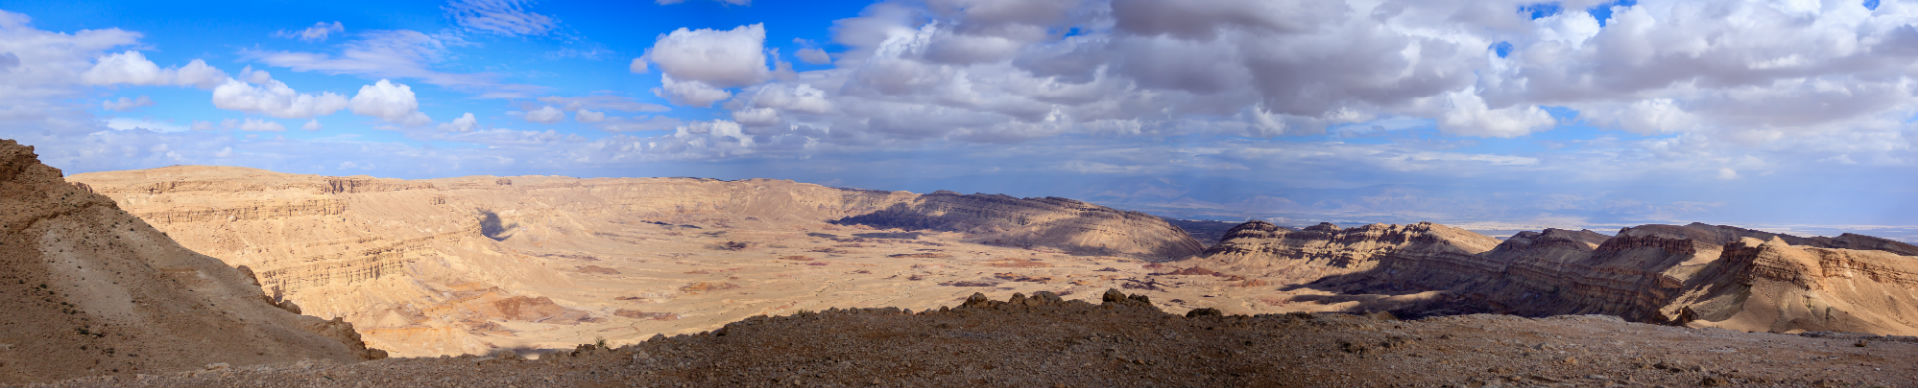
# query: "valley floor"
[[1122, 341]]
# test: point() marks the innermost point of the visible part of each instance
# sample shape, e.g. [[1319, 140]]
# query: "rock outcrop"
[[1059, 223], [1697, 274], [1325, 249], [91, 289]]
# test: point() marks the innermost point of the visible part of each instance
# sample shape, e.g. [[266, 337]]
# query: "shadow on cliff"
[[491, 227], [1407, 291], [976, 216]]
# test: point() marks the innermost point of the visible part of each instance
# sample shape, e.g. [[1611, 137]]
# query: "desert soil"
[[1121, 341]]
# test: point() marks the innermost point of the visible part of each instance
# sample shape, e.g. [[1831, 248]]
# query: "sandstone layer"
[[476, 264], [1699, 275], [1119, 340], [90, 289]]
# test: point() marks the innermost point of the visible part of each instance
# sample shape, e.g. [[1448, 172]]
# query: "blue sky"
[[1795, 116]]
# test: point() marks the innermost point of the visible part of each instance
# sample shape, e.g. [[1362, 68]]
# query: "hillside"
[[1119, 340], [91, 289], [1698, 275]]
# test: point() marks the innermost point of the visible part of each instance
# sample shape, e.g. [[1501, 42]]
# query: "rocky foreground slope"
[[1698, 275], [87, 289], [1124, 341]]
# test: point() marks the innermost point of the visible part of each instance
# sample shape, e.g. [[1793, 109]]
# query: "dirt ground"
[[1118, 340]]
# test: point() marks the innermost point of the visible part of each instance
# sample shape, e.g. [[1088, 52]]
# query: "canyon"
[[482, 264], [195, 275], [476, 265]]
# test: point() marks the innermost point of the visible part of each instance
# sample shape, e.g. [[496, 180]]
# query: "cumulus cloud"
[[311, 125], [715, 58], [1466, 114], [123, 103], [702, 140], [587, 116], [253, 124], [756, 116], [501, 17], [813, 55], [274, 98], [993, 71], [546, 115], [318, 32], [133, 68], [465, 123], [689, 93], [392, 102]]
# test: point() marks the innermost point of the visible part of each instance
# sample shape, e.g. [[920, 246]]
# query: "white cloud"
[[756, 116], [202, 126], [395, 54], [587, 116], [311, 125], [123, 103], [1726, 173], [1464, 113], [546, 115], [274, 98], [643, 123], [132, 68], [502, 17], [689, 93], [128, 124], [638, 66], [701, 140], [813, 55], [603, 101], [718, 58], [465, 123], [253, 124], [318, 32], [392, 102]]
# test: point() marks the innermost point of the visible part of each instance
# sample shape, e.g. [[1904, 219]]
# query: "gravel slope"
[[1125, 341]]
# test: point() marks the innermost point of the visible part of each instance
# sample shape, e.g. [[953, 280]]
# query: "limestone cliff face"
[[1698, 274], [93, 290], [1052, 222], [1326, 249]]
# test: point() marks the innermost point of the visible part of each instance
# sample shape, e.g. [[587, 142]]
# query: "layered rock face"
[[1059, 223], [1701, 275], [1325, 249], [423, 266], [90, 289]]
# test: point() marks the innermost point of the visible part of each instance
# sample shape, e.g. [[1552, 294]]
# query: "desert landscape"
[[586, 282], [959, 193]]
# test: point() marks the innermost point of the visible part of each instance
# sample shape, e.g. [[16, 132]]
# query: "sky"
[[1791, 115]]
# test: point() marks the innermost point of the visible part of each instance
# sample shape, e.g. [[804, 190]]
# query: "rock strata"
[[1697, 274], [90, 289]]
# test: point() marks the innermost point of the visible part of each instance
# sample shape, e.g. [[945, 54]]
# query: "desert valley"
[[959, 193], [574, 271]]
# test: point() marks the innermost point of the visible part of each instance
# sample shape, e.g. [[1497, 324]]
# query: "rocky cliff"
[[1326, 249], [1051, 222], [91, 289], [1697, 274]]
